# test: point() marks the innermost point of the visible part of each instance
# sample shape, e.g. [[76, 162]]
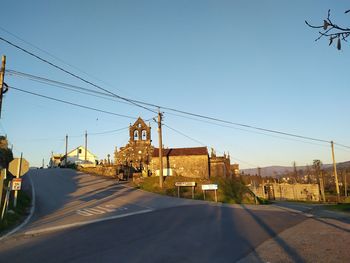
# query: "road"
[[83, 218]]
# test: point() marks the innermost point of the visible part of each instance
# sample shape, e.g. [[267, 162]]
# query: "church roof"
[[181, 151]]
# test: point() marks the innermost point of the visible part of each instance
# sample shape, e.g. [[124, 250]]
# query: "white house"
[[77, 156]]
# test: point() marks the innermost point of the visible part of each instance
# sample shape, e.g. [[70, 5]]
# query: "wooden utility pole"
[[345, 184], [65, 157], [160, 149], [335, 173], [2, 77], [322, 186], [85, 145], [19, 169]]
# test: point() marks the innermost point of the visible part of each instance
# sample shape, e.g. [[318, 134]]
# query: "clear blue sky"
[[250, 62]]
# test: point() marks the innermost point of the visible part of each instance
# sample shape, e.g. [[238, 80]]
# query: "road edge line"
[[56, 228], [32, 209]]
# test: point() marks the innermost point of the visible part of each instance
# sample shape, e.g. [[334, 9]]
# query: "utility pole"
[[85, 145], [19, 169], [345, 184], [2, 77], [335, 173], [65, 157], [160, 149], [322, 186]]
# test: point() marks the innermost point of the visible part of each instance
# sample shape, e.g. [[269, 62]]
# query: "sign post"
[[2, 177], [6, 201], [206, 187], [185, 184], [18, 167]]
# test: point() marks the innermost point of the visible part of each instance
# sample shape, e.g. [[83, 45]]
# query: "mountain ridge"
[[277, 170]]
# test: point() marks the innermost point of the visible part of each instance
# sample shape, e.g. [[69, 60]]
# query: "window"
[[144, 135], [79, 150], [136, 135]]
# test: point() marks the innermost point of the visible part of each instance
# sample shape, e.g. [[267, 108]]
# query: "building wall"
[[220, 167], [194, 166], [74, 156], [284, 191], [138, 151]]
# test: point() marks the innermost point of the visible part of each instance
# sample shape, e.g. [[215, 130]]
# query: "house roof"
[[181, 151]]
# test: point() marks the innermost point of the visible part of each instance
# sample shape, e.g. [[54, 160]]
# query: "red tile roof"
[[181, 151]]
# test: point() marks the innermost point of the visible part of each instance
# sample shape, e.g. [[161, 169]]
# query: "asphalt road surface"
[[83, 218]]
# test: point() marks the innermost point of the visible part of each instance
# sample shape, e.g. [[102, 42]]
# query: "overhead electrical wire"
[[73, 75], [137, 103], [189, 137], [199, 117], [72, 103], [197, 141], [66, 86]]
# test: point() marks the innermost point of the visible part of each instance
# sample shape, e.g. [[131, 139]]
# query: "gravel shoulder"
[[316, 239]]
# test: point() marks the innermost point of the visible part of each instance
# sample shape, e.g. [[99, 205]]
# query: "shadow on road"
[[274, 234]]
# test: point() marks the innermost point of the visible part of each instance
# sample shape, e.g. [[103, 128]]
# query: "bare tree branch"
[[332, 30]]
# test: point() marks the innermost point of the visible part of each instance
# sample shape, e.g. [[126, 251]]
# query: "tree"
[[317, 165], [332, 31], [6, 155]]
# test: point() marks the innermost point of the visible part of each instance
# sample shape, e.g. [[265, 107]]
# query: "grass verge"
[[230, 191], [338, 208], [15, 216]]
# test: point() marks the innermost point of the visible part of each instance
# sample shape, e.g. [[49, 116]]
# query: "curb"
[[7, 235]]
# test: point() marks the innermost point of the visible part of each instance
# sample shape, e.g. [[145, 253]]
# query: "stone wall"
[[284, 191], [220, 167], [100, 170], [195, 166]]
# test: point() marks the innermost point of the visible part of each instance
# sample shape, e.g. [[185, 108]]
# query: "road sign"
[[185, 184], [16, 184], [180, 184], [15, 166], [206, 187], [209, 186]]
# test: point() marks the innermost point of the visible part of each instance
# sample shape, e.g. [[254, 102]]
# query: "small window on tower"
[[136, 135], [144, 135], [79, 150]]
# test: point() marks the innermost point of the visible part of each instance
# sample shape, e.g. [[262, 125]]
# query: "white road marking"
[[84, 213], [99, 210], [95, 211], [106, 209], [56, 228]]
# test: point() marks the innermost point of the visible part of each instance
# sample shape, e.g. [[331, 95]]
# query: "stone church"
[[193, 162]]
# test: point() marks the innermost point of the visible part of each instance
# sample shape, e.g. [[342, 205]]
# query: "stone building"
[[220, 165], [189, 162], [138, 151]]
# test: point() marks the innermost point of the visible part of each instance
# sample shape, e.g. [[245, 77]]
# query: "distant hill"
[[278, 170]]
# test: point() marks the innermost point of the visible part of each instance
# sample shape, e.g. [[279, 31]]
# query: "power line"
[[73, 75], [71, 103], [110, 131], [195, 140], [177, 131], [342, 145], [65, 86], [60, 84], [137, 103], [53, 56]]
